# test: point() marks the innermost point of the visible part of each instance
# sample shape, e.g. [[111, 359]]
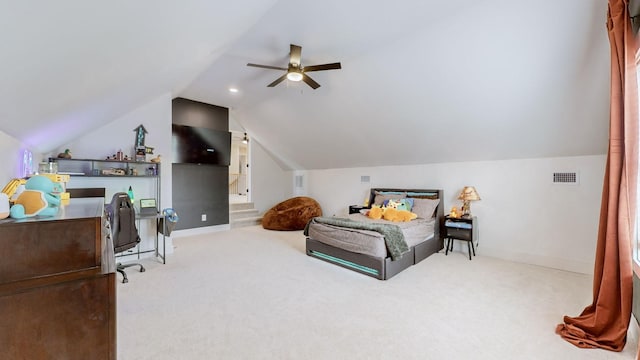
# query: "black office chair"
[[124, 234]]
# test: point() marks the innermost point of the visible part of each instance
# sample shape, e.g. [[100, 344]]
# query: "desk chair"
[[124, 234]]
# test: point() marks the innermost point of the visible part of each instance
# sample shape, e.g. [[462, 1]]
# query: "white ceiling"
[[421, 81]]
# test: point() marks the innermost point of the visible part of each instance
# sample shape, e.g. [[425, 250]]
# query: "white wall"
[[270, 184], [155, 115], [522, 216], [12, 151]]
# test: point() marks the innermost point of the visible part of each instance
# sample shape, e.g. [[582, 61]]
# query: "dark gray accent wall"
[[199, 114], [200, 189]]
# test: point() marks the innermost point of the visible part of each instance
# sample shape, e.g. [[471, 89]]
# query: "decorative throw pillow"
[[425, 208], [408, 203]]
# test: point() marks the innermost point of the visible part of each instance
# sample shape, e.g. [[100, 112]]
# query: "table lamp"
[[467, 195]]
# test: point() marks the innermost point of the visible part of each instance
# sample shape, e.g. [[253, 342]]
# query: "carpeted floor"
[[250, 293]]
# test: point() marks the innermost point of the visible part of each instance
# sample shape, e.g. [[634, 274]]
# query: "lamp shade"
[[469, 193]]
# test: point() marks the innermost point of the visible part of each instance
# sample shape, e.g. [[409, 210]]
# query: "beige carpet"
[[250, 293]]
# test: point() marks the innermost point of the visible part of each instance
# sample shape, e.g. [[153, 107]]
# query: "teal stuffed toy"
[[38, 199]]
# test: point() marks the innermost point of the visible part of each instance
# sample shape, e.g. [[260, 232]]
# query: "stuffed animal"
[[375, 212], [38, 198], [4, 206], [401, 204], [390, 214], [396, 215]]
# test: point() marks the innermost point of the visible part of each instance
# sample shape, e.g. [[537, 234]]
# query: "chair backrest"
[[86, 192], [122, 217]]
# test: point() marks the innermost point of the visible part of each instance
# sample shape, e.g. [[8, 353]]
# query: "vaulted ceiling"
[[421, 81]]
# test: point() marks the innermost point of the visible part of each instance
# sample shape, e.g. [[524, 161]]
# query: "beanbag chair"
[[292, 214]]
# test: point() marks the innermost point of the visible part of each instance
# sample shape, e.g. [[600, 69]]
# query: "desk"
[[156, 224]]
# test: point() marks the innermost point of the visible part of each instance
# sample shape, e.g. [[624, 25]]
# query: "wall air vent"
[[568, 178]]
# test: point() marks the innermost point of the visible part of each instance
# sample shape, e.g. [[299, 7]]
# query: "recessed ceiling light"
[[233, 90]]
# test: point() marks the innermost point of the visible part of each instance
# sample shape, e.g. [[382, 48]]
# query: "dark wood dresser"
[[58, 285]]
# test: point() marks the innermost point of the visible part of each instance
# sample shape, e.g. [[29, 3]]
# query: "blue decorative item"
[[168, 222], [140, 134]]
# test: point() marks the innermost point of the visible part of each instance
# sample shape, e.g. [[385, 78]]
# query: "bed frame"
[[383, 268]]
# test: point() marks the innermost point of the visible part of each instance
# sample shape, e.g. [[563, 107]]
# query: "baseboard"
[[583, 267], [200, 230]]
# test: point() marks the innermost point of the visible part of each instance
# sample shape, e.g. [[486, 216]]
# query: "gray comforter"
[[393, 236]]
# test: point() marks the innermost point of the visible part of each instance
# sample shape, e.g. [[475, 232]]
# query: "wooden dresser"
[[58, 285]]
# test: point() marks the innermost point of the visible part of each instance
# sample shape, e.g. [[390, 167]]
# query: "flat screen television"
[[196, 145]]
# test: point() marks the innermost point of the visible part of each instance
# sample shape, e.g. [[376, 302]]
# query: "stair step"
[[242, 214], [250, 221], [240, 206]]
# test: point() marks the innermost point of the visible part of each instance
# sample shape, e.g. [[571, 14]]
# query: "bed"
[[356, 242]]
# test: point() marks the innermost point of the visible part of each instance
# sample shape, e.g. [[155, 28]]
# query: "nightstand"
[[465, 229], [354, 209]]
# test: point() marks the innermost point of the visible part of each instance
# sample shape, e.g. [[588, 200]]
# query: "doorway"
[[239, 168]]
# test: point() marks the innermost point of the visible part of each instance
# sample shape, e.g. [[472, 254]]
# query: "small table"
[[463, 228], [354, 209]]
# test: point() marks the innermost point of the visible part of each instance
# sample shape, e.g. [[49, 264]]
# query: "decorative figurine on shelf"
[[140, 134], [156, 159], [140, 154], [454, 212], [65, 155], [139, 146]]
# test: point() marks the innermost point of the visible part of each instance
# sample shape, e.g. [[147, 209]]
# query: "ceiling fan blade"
[[295, 54], [278, 81], [310, 81], [332, 66], [267, 67]]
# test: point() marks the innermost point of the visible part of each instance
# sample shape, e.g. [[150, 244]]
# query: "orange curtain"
[[604, 323]]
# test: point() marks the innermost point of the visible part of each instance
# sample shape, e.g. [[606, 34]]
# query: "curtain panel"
[[604, 323]]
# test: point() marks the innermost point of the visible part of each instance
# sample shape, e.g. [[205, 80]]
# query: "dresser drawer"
[[45, 248]]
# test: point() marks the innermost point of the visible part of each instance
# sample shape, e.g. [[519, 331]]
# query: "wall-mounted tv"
[[198, 145]]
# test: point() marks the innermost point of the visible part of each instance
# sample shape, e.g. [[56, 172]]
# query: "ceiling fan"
[[297, 72]]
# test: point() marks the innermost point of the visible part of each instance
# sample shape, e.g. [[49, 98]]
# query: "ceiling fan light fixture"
[[294, 76]]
